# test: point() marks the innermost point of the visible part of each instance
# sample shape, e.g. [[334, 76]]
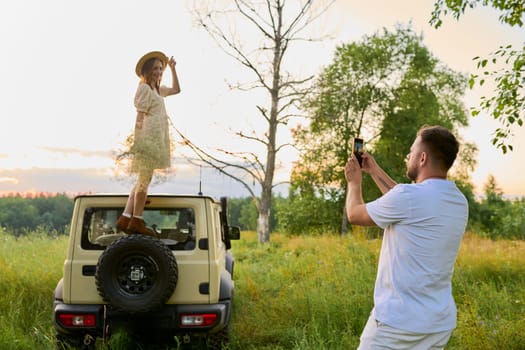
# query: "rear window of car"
[[174, 226]]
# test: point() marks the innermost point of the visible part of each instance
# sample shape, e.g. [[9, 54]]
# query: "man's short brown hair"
[[440, 143]]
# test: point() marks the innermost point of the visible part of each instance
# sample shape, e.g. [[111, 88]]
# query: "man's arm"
[[384, 182], [355, 205]]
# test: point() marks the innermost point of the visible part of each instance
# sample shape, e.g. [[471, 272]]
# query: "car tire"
[[136, 274]]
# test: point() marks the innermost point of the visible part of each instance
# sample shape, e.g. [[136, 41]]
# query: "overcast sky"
[[68, 83]]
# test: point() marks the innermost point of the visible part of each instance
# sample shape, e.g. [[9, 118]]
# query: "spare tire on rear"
[[136, 274]]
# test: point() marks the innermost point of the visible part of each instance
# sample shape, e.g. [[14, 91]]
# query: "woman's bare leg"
[[124, 219], [128, 210], [131, 219], [136, 224], [141, 193]]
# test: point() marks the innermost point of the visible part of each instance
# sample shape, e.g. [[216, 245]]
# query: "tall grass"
[[312, 292], [30, 268], [489, 287], [302, 292]]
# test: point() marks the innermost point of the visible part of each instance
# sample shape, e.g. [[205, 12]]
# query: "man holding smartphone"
[[423, 224]]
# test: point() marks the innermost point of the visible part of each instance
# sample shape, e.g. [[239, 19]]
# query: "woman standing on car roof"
[[151, 146]]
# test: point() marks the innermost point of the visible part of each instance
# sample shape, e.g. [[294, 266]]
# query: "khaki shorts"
[[378, 335]]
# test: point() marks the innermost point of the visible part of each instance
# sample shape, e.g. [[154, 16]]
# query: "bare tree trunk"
[[263, 222], [263, 226]]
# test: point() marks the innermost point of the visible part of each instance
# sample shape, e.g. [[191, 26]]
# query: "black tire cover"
[[136, 274]]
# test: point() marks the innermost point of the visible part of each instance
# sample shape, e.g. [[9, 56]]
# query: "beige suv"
[[177, 286]]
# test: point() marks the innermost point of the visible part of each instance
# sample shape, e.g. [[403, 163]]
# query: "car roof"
[[88, 195]]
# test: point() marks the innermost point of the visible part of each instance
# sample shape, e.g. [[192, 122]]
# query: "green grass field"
[[311, 292]]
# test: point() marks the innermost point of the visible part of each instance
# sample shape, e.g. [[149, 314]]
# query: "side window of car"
[[218, 227]]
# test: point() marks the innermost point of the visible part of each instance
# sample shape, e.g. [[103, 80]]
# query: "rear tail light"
[[77, 320], [197, 320]]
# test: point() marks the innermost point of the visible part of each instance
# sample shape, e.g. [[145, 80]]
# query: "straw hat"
[[153, 54]]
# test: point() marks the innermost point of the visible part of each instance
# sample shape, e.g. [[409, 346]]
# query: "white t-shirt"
[[423, 224]]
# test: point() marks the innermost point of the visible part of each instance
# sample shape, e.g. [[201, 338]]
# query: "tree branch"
[[219, 164]]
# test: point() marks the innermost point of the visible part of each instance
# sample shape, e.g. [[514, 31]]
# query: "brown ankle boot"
[[136, 225], [122, 223]]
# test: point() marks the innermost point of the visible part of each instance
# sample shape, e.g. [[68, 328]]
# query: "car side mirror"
[[234, 232]]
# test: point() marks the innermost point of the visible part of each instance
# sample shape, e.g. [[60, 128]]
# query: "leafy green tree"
[[500, 218], [234, 211], [248, 215], [460, 173], [307, 213], [243, 213], [508, 104], [428, 93], [54, 212], [18, 215], [492, 206], [513, 220], [386, 87]]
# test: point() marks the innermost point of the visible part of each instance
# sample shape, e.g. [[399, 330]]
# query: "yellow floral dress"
[[151, 147]]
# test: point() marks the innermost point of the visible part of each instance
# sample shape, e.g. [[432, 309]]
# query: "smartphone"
[[358, 150]]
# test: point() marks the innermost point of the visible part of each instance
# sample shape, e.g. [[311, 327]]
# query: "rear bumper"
[[166, 320]]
